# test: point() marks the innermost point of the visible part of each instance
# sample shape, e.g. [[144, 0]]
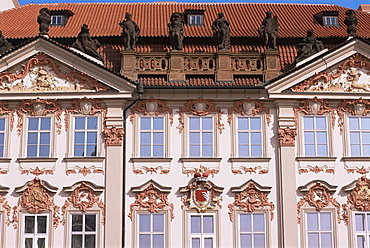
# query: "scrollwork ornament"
[[287, 136], [357, 107], [151, 106], [4, 110], [248, 107], [113, 136]]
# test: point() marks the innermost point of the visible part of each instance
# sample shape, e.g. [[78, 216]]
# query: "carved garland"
[[39, 107], [151, 170], [83, 198], [249, 200], [84, 171], [37, 172], [318, 196], [356, 107], [151, 106], [202, 169], [85, 106], [8, 209], [287, 136], [113, 136], [200, 107], [4, 110], [314, 106], [151, 199], [250, 170], [248, 107], [41, 59], [356, 61]]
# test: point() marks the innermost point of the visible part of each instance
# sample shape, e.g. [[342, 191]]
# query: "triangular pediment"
[[340, 71], [41, 65]]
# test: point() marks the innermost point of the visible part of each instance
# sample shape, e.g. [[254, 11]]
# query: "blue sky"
[[353, 4]]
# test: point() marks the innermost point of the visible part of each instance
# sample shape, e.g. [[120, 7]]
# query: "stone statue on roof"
[[86, 44], [269, 30], [176, 29], [4, 44], [351, 22], [309, 46], [222, 32], [44, 20], [130, 32]]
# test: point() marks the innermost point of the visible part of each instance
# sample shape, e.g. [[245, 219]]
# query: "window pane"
[[92, 137], [207, 138], [320, 122], [313, 240], [145, 151], [32, 138], [359, 220], [353, 123], [243, 123], [207, 123], [28, 243], [368, 221], [312, 222], [158, 123], [360, 240], [256, 138], [78, 151], [31, 151], [208, 243], [145, 138], [256, 151], [92, 122], [90, 222], [255, 123], [79, 138], [79, 123], [321, 137], [194, 151], [158, 241], [194, 123], [243, 151], [158, 151], [76, 241], [33, 123], [259, 240], [44, 138], [195, 243], [194, 138], [325, 221], [44, 151], [145, 123], [157, 138], [207, 150], [207, 224], [91, 150], [41, 224], [245, 223], [41, 243], [355, 150], [246, 240], [326, 240], [365, 123], [2, 124], [45, 123], [309, 137], [258, 222], [309, 150], [322, 150], [90, 240], [354, 137], [158, 222], [308, 122], [77, 222], [144, 222], [29, 226], [144, 241], [243, 138], [366, 150], [195, 224]]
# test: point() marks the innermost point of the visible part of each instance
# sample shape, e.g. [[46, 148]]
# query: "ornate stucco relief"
[[248, 107], [357, 107], [113, 136], [151, 106], [287, 136], [351, 76], [41, 74]]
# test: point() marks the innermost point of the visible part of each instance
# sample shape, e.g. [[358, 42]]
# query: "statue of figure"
[[4, 44], [268, 30], [176, 30], [44, 20], [351, 22], [130, 32], [309, 46], [86, 44], [222, 31]]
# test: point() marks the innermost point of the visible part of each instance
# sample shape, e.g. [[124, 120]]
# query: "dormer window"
[[59, 18], [327, 18], [330, 21], [194, 17]]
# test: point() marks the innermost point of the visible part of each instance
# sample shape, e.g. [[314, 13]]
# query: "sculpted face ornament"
[[85, 107], [315, 107], [39, 108], [199, 106], [249, 107], [360, 108], [152, 107]]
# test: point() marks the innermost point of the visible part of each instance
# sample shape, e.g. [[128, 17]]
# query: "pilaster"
[[176, 72], [224, 72], [271, 63], [128, 64]]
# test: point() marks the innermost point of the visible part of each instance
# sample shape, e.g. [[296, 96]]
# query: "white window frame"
[[202, 236], [152, 132], [34, 235], [355, 234], [55, 17], [328, 130], [348, 136], [330, 18], [6, 133], [196, 18], [136, 226], [304, 229], [2, 227], [100, 140], [84, 232], [266, 225]]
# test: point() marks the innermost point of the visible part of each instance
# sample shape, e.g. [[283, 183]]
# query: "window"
[[83, 230], [249, 137], [201, 136], [362, 229], [38, 137], [202, 231], [195, 20], [57, 20], [252, 230], [151, 136], [330, 21], [151, 230], [85, 136], [359, 135], [319, 230], [2, 137], [315, 136], [35, 231]]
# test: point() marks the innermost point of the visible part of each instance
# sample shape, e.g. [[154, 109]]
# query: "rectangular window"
[[252, 230], [85, 136], [2, 137], [35, 231], [83, 230], [195, 20], [359, 135], [202, 231], [315, 136], [151, 230], [151, 136], [330, 21], [362, 229], [56, 20], [38, 136], [249, 137], [201, 136], [319, 230]]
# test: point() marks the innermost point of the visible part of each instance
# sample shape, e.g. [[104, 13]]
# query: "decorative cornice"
[[39, 107], [85, 106], [113, 136], [151, 106], [314, 106], [153, 200], [248, 107], [357, 107], [4, 110], [250, 199], [200, 107], [287, 136]]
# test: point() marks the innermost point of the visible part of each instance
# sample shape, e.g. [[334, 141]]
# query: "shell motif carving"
[[151, 106], [248, 107]]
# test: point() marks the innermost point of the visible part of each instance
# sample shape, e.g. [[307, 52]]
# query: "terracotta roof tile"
[[244, 18]]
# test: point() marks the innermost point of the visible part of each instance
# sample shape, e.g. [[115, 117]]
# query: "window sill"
[[84, 159], [355, 159], [151, 159], [5, 160], [249, 159], [317, 159], [36, 159], [200, 159]]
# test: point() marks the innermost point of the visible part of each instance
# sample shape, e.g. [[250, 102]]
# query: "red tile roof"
[[244, 18]]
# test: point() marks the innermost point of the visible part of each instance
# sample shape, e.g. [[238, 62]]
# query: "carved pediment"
[[42, 74], [353, 75]]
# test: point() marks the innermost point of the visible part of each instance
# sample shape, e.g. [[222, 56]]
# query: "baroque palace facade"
[[191, 131]]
